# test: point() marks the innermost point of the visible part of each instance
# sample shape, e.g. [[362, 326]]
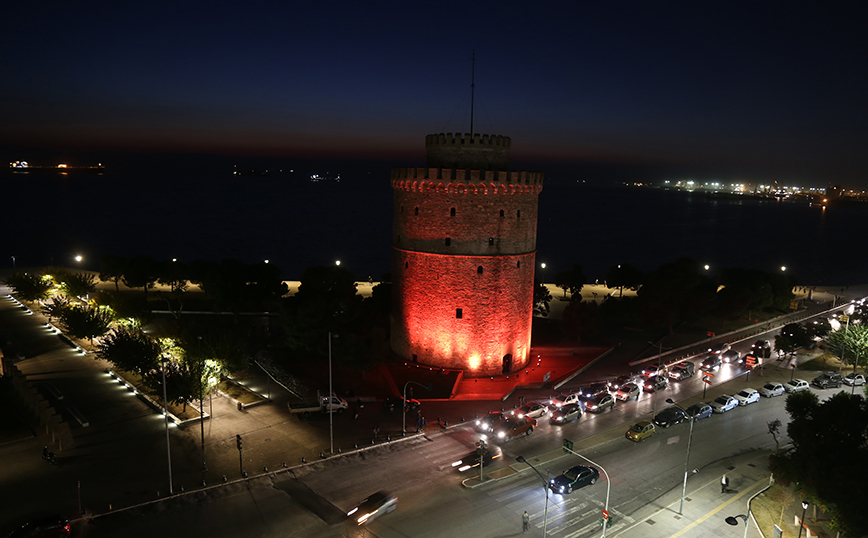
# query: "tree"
[[112, 269], [851, 343], [796, 334], [623, 276], [580, 319], [130, 350], [775, 430], [674, 292], [541, 299], [85, 322], [55, 308], [29, 286], [77, 285], [571, 281], [140, 272]]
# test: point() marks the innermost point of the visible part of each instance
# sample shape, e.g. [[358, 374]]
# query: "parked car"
[[796, 385], [373, 507], [731, 357], [640, 431], [711, 363], [627, 392], [828, 380], [650, 370], [747, 396], [473, 459], [574, 478], [761, 349], [770, 390], [566, 413], [724, 403], [655, 383], [720, 348], [532, 410], [512, 427], [699, 411], [854, 379], [594, 389], [489, 421], [669, 417], [682, 371], [565, 398], [43, 527], [600, 403]]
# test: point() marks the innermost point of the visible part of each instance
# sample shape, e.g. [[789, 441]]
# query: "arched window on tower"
[[402, 209], [491, 241], [406, 265], [479, 270], [416, 211], [518, 265], [501, 213], [518, 214], [448, 241], [452, 212]]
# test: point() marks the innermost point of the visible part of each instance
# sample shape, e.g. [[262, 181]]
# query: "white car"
[[532, 410], [854, 379], [723, 403], [721, 348], [731, 357], [796, 385], [747, 396], [770, 390], [564, 399]]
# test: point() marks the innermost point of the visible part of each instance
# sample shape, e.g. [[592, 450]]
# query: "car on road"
[[655, 383], [720, 348], [600, 403], [682, 370], [489, 421], [411, 404], [700, 410], [472, 460], [724, 403], [43, 528], [761, 349], [532, 410], [565, 398], [669, 417], [711, 363], [574, 478], [620, 381], [854, 379], [650, 370], [627, 392], [567, 413], [594, 389], [770, 390], [373, 507], [731, 357], [640, 431], [828, 380], [747, 396], [796, 385], [512, 427]]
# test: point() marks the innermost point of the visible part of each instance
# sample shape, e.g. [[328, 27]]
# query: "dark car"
[[43, 528], [827, 380], [655, 383], [669, 417], [390, 404], [620, 381], [761, 349], [489, 421], [373, 507], [574, 478], [700, 410], [682, 371], [594, 389], [711, 363], [598, 404], [512, 427], [566, 413], [473, 459]]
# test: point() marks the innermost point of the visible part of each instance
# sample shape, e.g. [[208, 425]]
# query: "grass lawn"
[[238, 392], [767, 509]]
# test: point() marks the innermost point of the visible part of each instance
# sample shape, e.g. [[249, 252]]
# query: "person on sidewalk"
[[525, 522], [724, 484]]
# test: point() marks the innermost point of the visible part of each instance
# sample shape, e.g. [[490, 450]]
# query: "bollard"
[[265, 469], [462, 419], [203, 485], [355, 445], [339, 450], [445, 424], [321, 455], [244, 474], [373, 441], [303, 460], [224, 478], [389, 438], [284, 465], [182, 489]]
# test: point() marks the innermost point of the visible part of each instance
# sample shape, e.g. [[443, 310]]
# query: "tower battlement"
[[451, 181], [479, 151]]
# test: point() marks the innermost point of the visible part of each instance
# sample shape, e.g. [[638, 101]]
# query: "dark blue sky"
[[753, 91]]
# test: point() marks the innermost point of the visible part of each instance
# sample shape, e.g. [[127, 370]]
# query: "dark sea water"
[[295, 223]]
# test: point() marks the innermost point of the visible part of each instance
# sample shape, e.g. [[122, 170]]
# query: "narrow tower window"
[[479, 270], [501, 213], [518, 214], [406, 265], [459, 313], [518, 264], [402, 209], [491, 241], [448, 241], [452, 212]]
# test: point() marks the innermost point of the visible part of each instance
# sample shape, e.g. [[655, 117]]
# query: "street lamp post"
[[521, 459], [687, 458], [608, 484], [802, 522], [405, 405], [329, 409], [733, 521], [166, 417]]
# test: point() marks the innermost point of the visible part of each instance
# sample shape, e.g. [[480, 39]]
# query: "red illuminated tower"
[[464, 249]]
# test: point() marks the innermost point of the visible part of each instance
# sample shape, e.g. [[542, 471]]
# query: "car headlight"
[[501, 435], [464, 468], [457, 463], [559, 419]]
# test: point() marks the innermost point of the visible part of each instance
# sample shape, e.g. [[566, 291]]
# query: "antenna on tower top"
[[472, 88]]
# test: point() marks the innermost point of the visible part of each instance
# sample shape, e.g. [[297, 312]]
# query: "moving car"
[[762, 349], [594, 389], [669, 417], [565, 398], [627, 392], [724, 403], [650, 370], [655, 383], [473, 459], [373, 507], [574, 478], [699, 411], [711, 363], [489, 421], [567, 413], [640, 430], [796, 385], [770, 390], [827, 380], [682, 371], [598, 404], [511, 427], [720, 348], [532, 410], [747, 396], [854, 379], [43, 527], [620, 381], [731, 357]]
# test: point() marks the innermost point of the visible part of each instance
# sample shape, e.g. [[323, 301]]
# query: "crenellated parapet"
[[451, 181], [480, 151]]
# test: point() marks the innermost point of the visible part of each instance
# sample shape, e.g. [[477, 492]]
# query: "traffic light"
[[238, 441], [568, 446]]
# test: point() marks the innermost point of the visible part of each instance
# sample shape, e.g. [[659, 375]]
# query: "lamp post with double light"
[[692, 419], [521, 459]]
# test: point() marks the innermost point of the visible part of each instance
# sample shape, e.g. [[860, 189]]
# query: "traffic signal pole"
[[240, 459]]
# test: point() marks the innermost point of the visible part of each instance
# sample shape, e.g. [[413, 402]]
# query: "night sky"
[[718, 90]]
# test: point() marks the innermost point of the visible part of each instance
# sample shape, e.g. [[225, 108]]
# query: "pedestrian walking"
[[525, 522], [724, 484]]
